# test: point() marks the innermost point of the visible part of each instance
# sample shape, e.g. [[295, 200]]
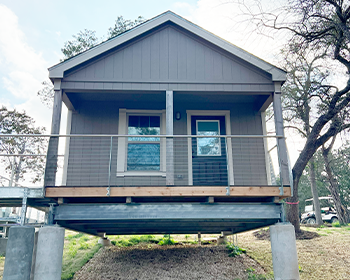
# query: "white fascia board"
[[57, 71]]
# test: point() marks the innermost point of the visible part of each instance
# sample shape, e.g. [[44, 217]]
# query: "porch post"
[[281, 142], [51, 159], [169, 141]]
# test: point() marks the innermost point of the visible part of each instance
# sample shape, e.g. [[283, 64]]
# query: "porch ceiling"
[[160, 218], [159, 97]]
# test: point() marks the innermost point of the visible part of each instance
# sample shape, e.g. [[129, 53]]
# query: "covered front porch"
[[184, 144]]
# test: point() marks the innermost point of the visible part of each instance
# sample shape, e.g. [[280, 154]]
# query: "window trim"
[[122, 155]]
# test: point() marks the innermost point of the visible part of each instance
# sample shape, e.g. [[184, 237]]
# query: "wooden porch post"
[[281, 142], [51, 159], [169, 142]]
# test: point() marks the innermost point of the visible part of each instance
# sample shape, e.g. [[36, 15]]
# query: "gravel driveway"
[[166, 262]]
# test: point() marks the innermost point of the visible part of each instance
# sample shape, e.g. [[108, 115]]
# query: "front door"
[[209, 166]]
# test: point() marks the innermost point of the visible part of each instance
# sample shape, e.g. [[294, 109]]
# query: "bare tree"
[[303, 92], [21, 167], [342, 212], [324, 26], [82, 42]]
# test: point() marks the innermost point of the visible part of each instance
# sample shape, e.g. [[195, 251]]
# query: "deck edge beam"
[[163, 191]]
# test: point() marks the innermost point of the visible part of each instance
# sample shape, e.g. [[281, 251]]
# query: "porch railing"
[[145, 160]]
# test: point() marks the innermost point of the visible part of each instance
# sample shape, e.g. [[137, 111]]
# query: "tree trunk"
[[342, 212], [19, 166], [292, 206], [316, 201]]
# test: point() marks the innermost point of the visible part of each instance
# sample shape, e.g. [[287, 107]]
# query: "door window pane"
[[208, 146]]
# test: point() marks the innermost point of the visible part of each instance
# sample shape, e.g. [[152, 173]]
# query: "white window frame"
[[218, 122], [122, 155]]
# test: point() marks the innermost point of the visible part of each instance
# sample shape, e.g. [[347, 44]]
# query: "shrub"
[[166, 241], [234, 250]]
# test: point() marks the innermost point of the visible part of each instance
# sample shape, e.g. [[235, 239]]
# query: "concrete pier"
[[19, 252], [48, 264], [105, 242], [34, 254], [284, 252]]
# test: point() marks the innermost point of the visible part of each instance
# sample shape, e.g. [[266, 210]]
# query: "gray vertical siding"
[[88, 162], [249, 166], [170, 55], [89, 157]]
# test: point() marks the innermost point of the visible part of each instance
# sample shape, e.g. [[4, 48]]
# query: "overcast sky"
[[33, 33]]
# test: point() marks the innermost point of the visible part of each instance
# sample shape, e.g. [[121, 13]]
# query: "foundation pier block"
[[49, 252], [284, 252], [105, 242], [19, 253]]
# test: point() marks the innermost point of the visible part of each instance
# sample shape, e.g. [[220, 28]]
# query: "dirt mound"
[[167, 262], [265, 234]]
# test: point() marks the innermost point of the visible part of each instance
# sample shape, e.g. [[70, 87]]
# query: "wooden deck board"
[[165, 191]]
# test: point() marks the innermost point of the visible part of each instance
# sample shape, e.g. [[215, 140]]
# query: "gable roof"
[[57, 71]]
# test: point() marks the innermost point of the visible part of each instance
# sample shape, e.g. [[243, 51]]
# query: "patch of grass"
[[234, 250], [166, 241], [253, 276], [191, 242], [2, 263], [336, 224], [73, 236], [78, 250], [329, 265], [128, 241]]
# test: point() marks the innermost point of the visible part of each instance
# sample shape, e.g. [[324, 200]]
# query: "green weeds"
[[253, 276], [234, 250], [134, 240], [74, 236], [78, 250], [336, 224], [166, 241]]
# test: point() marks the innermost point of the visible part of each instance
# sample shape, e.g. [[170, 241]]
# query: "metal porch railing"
[[144, 160]]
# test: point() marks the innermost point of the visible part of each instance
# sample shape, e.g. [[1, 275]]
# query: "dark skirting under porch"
[[166, 218]]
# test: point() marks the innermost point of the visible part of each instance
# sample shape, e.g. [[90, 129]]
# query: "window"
[[141, 156], [143, 152], [208, 146]]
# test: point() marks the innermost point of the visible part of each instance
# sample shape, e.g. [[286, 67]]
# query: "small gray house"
[[166, 133]]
